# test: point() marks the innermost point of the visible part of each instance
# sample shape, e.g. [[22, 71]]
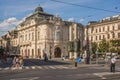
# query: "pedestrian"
[[14, 62], [17, 62], [112, 66], [21, 61]]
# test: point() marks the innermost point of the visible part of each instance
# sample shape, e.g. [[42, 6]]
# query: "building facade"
[[43, 33], [108, 28]]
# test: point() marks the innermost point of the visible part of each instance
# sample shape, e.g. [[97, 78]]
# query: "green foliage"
[[104, 46], [115, 43], [70, 46], [112, 50], [94, 47], [76, 45]]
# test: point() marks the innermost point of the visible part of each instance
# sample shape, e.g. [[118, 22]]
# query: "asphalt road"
[[87, 73], [59, 70]]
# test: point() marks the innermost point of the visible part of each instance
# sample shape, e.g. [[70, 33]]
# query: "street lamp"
[[50, 52]]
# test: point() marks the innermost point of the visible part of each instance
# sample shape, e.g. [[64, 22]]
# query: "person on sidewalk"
[[112, 66]]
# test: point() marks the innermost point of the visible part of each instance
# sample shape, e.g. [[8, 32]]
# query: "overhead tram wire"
[[85, 6]]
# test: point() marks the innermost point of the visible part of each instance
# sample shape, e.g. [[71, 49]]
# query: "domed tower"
[[39, 9]]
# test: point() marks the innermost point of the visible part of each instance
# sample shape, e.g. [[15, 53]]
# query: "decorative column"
[[75, 38], [70, 39], [36, 42]]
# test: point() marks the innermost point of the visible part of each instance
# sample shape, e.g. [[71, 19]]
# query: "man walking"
[[112, 67]]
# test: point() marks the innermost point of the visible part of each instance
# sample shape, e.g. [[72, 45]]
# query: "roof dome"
[[38, 9]]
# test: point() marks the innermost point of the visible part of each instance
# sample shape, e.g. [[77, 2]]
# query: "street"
[[35, 69], [59, 74]]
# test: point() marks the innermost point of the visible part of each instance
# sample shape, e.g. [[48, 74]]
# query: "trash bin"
[[75, 64]]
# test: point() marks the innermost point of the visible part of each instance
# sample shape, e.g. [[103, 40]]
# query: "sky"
[[12, 12]]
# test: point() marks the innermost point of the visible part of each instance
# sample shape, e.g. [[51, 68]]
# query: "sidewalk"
[[8, 63]]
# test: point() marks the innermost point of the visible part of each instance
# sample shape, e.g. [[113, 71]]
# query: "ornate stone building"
[[43, 33], [9, 42]]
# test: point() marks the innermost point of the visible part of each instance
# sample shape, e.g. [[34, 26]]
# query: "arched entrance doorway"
[[57, 52]]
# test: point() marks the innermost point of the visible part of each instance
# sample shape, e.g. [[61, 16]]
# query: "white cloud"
[[71, 19], [82, 19], [9, 22]]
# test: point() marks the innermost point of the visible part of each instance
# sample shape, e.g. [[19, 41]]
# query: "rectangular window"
[[32, 53], [99, 29], [118, 35], [32, 36], [107, 28], [113, 35], [99, 37], [29, 36], [23, 37], [103, 29], [96, 30], [91, 38], [92, 30], [108, 36], [103, 36], [118, 26], [113, 27], [38, 35], [26, 37], [96, 37]]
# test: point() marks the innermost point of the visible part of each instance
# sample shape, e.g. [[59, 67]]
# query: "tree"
[[115, 44], [103, 46], [71, 46], [94, 47]]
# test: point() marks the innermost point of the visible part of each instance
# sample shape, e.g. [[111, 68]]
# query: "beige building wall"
[[42, 33], [108, 28]]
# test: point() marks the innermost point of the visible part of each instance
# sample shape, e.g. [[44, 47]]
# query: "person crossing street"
[[113, 61]]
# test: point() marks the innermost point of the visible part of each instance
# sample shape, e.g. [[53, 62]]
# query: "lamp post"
[[50, 52]]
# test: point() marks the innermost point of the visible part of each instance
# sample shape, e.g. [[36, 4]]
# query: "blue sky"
[[13, 11]]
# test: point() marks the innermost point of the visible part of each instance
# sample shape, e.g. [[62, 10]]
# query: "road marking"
[[13, 68], [52, 67], [30, 78], [46, 67], [104, 73], [27, 68], [36, 67], [59, 67], [39, 67], [65, 67], [6, 68], [99, 75]]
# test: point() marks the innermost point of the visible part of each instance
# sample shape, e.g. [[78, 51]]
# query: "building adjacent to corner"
[[108, 28]]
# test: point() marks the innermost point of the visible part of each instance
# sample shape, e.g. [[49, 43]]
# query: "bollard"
[[75, 64]]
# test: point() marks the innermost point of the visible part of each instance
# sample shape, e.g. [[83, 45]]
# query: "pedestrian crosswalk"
[[46, 67], [38, 67]]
